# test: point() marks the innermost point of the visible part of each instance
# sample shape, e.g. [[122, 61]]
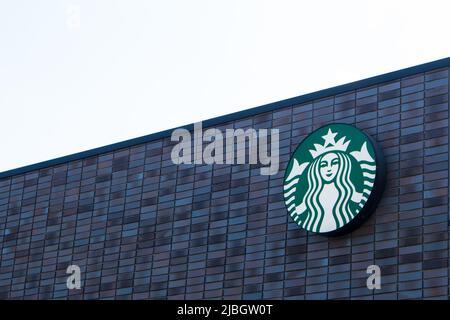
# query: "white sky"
[[130, 68]]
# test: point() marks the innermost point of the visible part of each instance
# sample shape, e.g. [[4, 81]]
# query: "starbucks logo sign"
[[334, 180]]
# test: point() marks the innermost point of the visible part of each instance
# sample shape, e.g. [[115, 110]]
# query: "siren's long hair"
[[341, 209]]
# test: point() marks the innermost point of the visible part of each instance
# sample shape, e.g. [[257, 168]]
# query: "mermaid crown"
[[329, 145]]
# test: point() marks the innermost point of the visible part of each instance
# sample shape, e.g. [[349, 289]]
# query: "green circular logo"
[[334, 180]]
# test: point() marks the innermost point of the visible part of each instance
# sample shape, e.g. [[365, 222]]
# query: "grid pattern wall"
[[141, 227]]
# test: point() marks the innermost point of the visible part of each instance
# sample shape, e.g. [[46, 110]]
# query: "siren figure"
[[330, 190]]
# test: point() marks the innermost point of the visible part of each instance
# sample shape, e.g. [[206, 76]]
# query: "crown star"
[[330, 144], [329, 138]]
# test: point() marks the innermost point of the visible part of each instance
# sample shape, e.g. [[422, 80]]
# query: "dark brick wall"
[[141, 227]]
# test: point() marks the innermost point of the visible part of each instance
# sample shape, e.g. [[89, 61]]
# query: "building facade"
[[141, 227]]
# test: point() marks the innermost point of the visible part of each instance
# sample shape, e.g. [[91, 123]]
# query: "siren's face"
[[329, 166]]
